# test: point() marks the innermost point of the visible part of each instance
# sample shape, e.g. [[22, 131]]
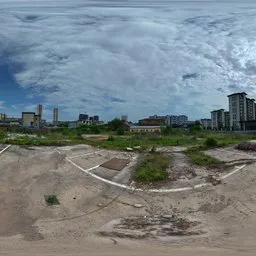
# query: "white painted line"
[[57, 151], [86, 154], [202, 185], [233, 172], [2, 151], [87, 171], [168, 190]]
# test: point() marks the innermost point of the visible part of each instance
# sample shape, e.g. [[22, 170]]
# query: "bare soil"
[[223, 215]]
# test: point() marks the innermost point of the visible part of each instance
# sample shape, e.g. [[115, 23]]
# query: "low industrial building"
[[30, 119], [134, 128]]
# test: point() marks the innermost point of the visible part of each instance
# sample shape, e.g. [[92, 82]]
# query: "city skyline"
[[90, 65]]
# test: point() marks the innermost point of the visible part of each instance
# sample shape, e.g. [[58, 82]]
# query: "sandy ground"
[[226, 213]]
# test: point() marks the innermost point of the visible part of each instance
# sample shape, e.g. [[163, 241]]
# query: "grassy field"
[[75, 136], [198, 141]]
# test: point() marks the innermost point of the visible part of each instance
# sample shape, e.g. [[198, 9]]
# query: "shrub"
[[166, 130], [111, 138], [95, 129], [195, 128], [120, 131], [2, 135], [153, 149], [211, 142], [51, 200]]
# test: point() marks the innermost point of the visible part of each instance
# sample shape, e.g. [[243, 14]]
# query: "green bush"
[[211, 142], [2, 135], [153, 149], [95, 129], [120, 131], [195, 128], [166, 130], [111, 138], [51, 200]]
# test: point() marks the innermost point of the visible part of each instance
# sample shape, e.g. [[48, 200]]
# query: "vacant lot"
[[211, 219]]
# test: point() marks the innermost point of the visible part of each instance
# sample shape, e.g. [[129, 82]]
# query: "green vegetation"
[[199, 158], [152, 168], [51, 200], [2, 135], [166, 130], [115, 124], [111, 138], [120, 131], [120, 139], [211, 142]]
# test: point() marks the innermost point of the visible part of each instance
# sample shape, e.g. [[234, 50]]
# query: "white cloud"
[[2, 106], [131, 60]]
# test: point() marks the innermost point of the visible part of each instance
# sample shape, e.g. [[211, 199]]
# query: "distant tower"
[[124, 118], [40, 110], [96, 118], [55, 116]]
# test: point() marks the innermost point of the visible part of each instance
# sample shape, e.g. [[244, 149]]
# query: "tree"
[[120, 131], [115, 124], [95, 129], [166, 130], [195, 128]]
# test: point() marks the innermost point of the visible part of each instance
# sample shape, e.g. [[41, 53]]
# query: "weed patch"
[[152, 168], [51, 200], [199, 158]]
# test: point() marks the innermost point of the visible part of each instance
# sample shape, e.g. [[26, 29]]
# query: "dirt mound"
[[247, 146], [151, 226]]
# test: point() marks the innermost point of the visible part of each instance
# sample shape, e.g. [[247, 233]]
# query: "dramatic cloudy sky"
[[125, 56]]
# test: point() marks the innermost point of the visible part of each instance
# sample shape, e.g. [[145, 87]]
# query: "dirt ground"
[[214, 220]]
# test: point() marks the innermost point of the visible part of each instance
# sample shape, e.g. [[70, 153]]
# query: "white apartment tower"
[[237, 109], [218, 119], [250, 105], [55, 116]]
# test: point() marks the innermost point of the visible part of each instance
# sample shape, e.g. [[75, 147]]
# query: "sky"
[[138, 58]]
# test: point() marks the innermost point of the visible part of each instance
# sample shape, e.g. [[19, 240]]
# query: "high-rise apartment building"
[[227, 120], [250, 106], [2, 116], [178, 120], [55, 116], [237, 109], [40, 110], [206, 123], [96, 118], [218, 119], [83, 117]]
